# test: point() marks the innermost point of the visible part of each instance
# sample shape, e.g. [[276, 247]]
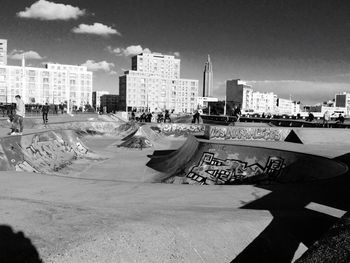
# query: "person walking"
[[196, 117], [19, 116], [45, 110]]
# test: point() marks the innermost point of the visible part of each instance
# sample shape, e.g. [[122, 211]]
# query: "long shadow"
[[292, 223], [16, 247]]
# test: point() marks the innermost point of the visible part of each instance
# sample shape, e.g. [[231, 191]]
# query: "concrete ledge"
[[246, 133]]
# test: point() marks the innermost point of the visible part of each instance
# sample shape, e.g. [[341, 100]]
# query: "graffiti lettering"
[[247, 133], [182, 129], [211, 170]]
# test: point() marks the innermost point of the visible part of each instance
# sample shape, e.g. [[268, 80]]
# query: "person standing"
[[326, 118], [45, 111], [237, 113], [196, 117], [19, 116]]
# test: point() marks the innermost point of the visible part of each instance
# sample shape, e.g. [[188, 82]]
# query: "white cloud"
[[128, 51], [46, 10], [18, 54], [95, 29], [99, 66]]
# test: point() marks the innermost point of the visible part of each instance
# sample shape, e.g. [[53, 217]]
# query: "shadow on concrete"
[[16, 248], [292, 223]]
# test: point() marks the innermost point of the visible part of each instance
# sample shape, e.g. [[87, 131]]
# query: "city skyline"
[[298, 48]]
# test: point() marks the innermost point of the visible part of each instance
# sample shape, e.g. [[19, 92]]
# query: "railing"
[[282, 122]]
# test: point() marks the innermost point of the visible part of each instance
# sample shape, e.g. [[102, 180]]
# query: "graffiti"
[[246, 133], [44, 152], [211, 170], [138, 142], [182, 129]]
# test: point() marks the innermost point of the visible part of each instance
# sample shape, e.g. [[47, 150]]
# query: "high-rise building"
[[154, 84], [96, 98], [238, 94], [109, 103], [54, 84], [3, 52], [208, 78]]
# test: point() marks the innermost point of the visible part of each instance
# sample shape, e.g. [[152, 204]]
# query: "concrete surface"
[[104, 210]]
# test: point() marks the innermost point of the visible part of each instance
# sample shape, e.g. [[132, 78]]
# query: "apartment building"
[[154, 84]]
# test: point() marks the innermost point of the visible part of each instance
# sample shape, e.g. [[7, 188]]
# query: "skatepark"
[[95, 188]]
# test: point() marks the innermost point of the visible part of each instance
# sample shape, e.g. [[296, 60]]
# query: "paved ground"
[[103, 211]]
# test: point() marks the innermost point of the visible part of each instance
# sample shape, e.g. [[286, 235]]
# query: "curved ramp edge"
[[173, 162], [207, 162]]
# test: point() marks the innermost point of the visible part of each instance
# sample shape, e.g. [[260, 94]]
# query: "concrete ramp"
[[43, 152], [331, 136], [181, 129], [207, 162], [172, 162], [244, 133], [149, 135]]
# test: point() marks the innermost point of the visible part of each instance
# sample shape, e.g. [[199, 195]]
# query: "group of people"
[[326, 118], [147, 116], [144, 117]]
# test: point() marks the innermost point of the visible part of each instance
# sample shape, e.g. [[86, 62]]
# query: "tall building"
[[96, 98], [343, 100], [54, 84], [208, 78], [109, 103], [238, 94], [3, 52], [154, 84]]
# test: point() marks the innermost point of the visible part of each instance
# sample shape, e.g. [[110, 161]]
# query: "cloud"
[[46, 10], [99, 66], [95, 29], [18, 54], [128, 51], [176, 54]]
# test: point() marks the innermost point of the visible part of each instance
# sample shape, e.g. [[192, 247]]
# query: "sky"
[[294, 48]]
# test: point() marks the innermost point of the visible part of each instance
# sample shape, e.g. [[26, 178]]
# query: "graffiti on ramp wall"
[[43, 152], [212, 170]]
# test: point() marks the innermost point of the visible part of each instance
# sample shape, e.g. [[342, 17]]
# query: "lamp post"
[[225, 107]]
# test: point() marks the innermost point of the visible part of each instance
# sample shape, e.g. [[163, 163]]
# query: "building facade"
[[284, 106], [238, 94], [343, 101], [264, 102], [154, 84], [109, 103], [208, 78], [96, 98], [54, 84], [3, 52]]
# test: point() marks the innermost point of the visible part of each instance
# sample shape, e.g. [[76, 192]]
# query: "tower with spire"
[[208, 78]]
